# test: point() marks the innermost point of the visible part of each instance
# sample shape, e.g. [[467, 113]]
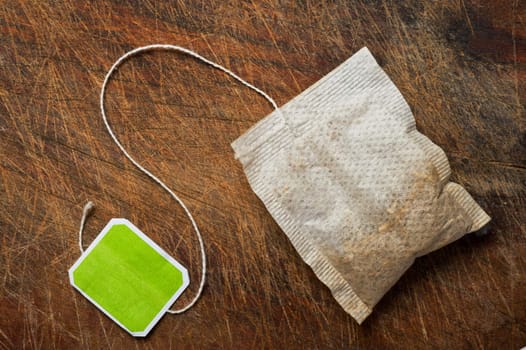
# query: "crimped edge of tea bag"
[[478, 216]]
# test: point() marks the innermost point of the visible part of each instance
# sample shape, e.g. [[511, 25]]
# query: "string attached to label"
[[89, 206]]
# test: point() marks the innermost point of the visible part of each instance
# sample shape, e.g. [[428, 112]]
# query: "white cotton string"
[[89, 206], [85, 213]]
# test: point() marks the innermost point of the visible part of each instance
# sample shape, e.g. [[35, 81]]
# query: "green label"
[[129, 277]]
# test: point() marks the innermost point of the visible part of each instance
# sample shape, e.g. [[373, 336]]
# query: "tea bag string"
[[89, 206]]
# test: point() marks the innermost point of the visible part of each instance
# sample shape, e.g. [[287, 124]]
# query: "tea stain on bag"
[[393, 244]]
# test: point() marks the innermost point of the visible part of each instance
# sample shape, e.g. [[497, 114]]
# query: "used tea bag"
[[357, 189]]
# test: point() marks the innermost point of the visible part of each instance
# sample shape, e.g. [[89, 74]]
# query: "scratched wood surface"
[[461, 65]]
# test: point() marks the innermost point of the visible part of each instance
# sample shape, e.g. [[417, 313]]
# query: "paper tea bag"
[[357, 189]]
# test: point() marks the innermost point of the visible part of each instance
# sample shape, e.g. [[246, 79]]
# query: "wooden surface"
[[461, 65]]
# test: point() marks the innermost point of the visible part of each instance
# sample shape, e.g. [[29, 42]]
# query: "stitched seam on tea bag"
[[272, 124]]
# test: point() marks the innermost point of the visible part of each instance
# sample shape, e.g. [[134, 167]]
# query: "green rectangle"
[[129, 277]]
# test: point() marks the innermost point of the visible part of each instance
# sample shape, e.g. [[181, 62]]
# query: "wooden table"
[[461, 65]]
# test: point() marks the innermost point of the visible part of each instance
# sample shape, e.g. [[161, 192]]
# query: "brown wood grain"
[[461, 65]]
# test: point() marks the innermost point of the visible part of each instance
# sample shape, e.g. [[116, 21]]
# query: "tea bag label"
[[129, 277]]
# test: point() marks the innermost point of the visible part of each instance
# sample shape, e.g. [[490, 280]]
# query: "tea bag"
[[357, 189]]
